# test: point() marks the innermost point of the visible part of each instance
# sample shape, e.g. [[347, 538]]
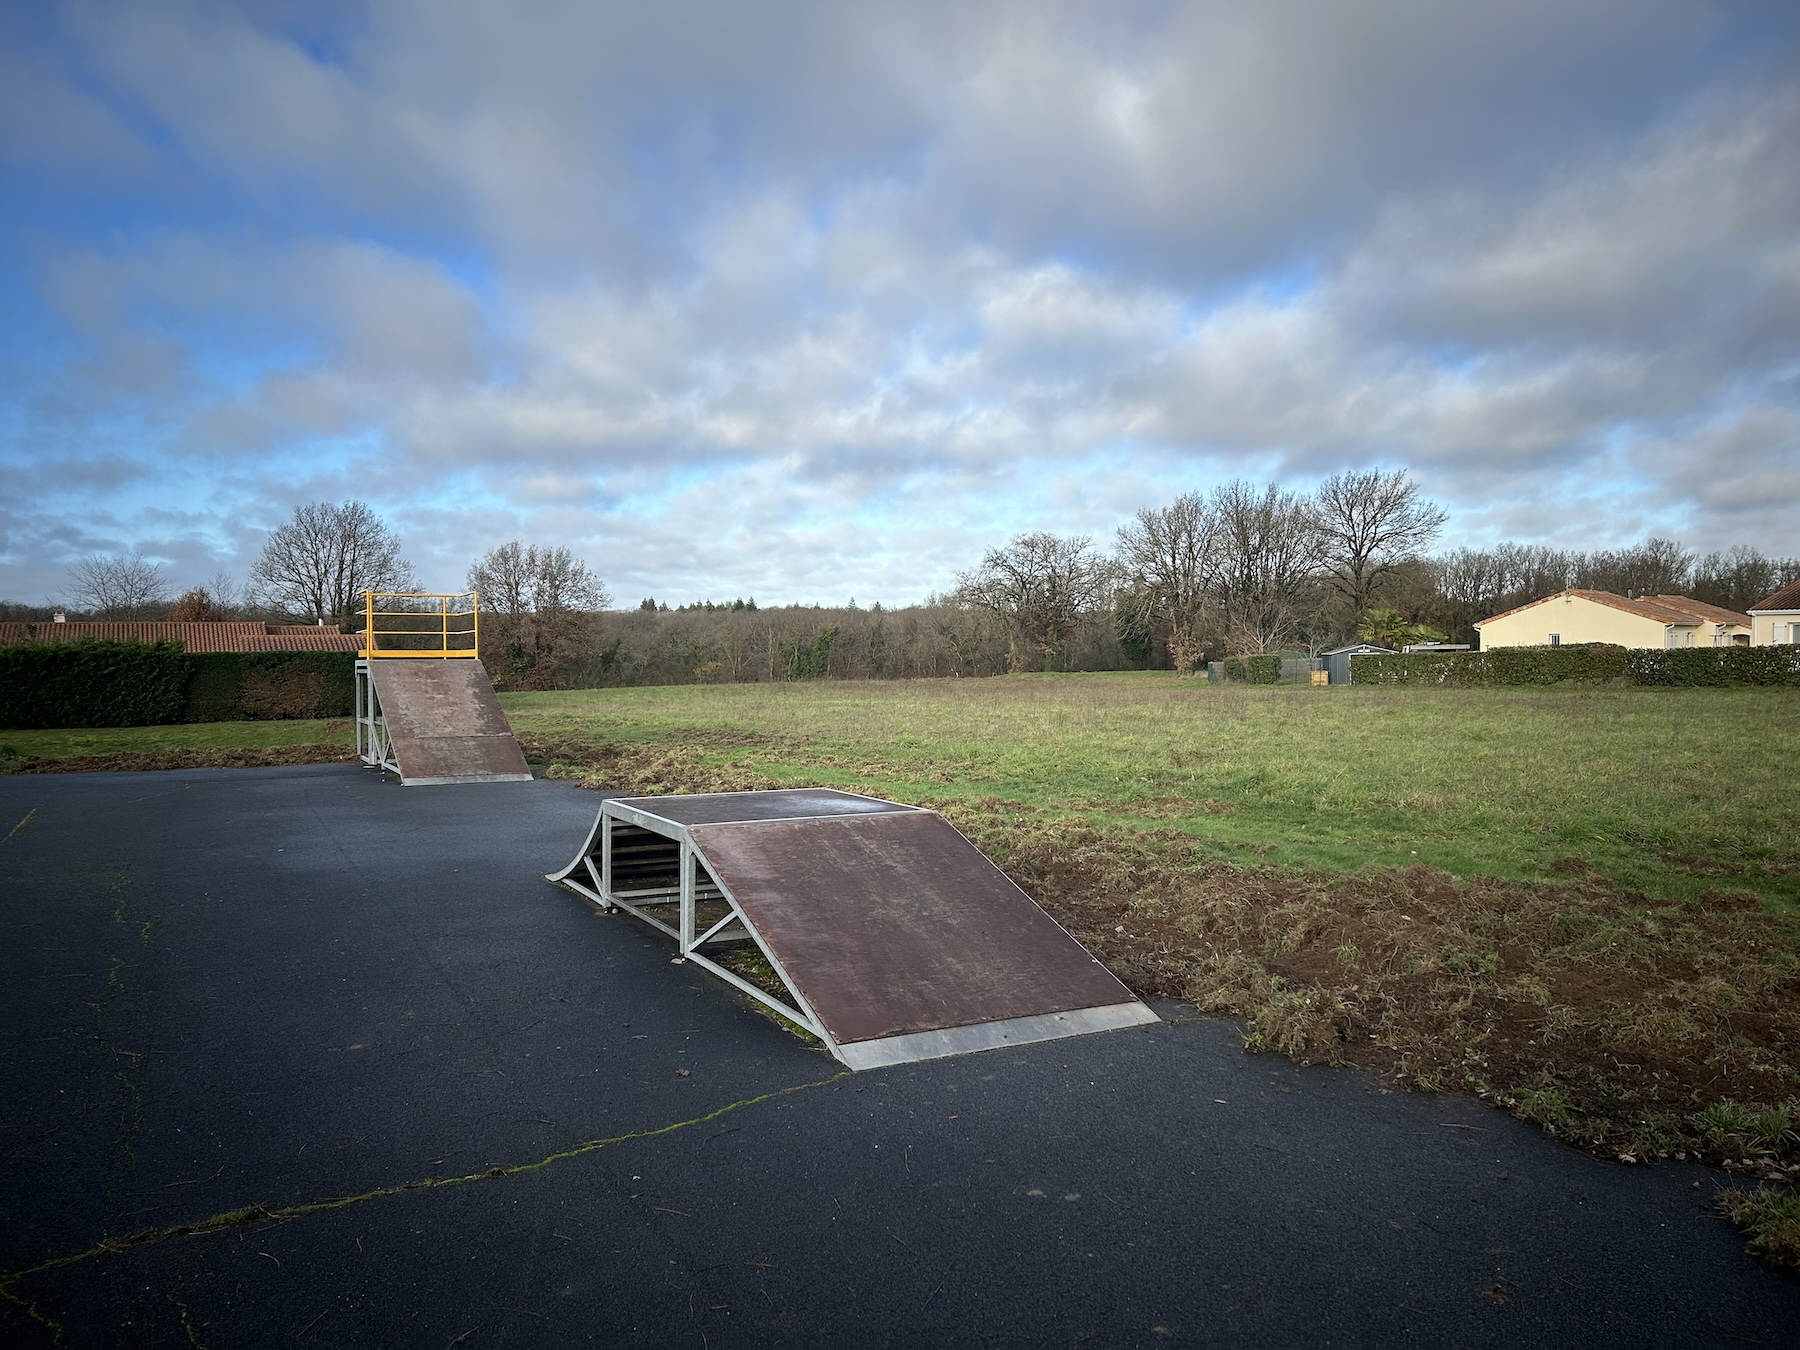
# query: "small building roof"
[[1701, 610], [1644, 609], [1361, 649], [1784, 601], [195, 637]]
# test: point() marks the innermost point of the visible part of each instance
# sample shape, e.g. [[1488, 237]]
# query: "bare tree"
[[1740, 576], [1171, 557], [113, 587], [1368, 524], [215, 602], [319, 564], [1654, 567], [1532, 571], [1268, 561], [1042, 585], [196, 605], [543, 606]]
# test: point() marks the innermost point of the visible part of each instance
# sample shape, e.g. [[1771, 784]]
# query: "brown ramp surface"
[[444, 723], [904, 939]]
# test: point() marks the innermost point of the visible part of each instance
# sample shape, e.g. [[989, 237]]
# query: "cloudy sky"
[[819, 301]]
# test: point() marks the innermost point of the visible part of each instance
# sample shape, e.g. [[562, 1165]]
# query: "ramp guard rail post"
[[419, 636]]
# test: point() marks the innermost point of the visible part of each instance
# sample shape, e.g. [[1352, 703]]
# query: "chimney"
[[61, 617]]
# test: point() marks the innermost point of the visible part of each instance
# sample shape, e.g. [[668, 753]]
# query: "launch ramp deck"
[[892, 936], [434, 722]]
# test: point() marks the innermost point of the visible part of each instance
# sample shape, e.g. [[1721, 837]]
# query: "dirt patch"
[[1632, 1027], [647, 769], [182, 759]]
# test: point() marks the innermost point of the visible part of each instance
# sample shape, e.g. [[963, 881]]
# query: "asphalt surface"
[[270, 987]]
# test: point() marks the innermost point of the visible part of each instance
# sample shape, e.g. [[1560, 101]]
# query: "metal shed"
[[1337, 661]]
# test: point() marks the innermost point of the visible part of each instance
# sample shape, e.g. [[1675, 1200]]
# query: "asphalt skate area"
[[298, 1055]]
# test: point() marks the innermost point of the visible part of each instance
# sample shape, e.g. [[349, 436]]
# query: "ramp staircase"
[[890, 936], [425, 708]]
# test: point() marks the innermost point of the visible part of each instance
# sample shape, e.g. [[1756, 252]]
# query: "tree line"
[[1245, 569]]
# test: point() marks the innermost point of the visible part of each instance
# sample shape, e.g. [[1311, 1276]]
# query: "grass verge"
[[201, 745]]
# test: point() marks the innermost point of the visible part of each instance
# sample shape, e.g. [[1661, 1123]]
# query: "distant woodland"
[[1245, 569]]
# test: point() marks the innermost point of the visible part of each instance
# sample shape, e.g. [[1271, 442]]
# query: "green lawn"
[[1670, 791], [192, 736]]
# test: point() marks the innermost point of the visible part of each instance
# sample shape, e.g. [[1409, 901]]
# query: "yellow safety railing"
[[421, 624]]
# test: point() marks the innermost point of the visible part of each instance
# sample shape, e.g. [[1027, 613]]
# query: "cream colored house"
[[1776, 619], [1573, 616]]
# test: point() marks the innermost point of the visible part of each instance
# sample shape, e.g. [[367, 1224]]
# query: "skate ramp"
[[891, 937], [435, 721]]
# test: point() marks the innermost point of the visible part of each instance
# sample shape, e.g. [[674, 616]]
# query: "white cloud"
[[763, 295]]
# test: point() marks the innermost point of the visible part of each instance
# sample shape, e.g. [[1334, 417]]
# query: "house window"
[[1556, 639]]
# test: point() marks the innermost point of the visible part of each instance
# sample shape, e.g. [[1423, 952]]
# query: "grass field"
[[1672, 792], [1580, 904]]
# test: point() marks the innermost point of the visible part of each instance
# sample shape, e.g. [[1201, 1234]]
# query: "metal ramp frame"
[[373, 745], [893, 938]]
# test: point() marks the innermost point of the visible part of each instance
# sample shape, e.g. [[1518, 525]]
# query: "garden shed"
[[1337, 661]]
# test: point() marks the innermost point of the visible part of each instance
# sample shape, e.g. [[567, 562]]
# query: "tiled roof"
[[1645, 609], [1701, 610], [307, 640], [1788, 597], [195, 637]]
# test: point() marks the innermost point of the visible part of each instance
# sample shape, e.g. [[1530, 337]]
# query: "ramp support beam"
[[642, 897], [373, 747]]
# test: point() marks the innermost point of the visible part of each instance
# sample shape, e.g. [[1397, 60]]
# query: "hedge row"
[[136, 684], [1263, 669], [1596, 664]]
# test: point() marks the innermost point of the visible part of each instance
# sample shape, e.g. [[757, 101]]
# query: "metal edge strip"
[[900, 809], [978, 1036], [467, 778]]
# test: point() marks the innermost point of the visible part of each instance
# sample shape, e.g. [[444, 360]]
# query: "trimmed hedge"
[[1598, 663], [1716, 666], [91, 684], [138, 684], [269, 686], [1264, 669]]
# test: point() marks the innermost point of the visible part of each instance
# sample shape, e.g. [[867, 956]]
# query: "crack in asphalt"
[[253, 1214]]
